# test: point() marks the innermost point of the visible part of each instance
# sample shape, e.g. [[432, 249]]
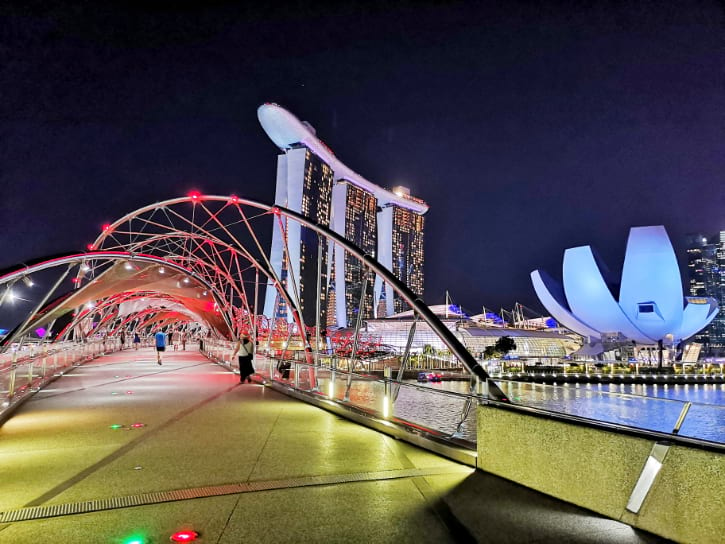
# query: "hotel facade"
[[388, 225]]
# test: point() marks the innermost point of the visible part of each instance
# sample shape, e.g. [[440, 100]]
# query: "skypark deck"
[[196, 450]]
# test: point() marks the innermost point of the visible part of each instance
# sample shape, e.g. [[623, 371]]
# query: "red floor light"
[[184, 536], [137, 425]]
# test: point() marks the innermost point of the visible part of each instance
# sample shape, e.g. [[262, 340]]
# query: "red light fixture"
[[90, 247], [106, 227], [234, 199], [137, 425], [194, 195], [184, 536]]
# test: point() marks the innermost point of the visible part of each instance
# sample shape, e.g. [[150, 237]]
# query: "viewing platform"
[[122, 450]]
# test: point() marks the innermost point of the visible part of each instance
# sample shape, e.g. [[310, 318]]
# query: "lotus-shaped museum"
[[650, 307]]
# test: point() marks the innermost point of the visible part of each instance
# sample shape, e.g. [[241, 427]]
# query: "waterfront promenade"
[[242, 463]]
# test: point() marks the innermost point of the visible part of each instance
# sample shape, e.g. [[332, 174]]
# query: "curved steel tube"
[[417, 304]]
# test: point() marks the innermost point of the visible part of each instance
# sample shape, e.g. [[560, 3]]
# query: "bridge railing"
[[440, 412], [449, 413], [26, 368]]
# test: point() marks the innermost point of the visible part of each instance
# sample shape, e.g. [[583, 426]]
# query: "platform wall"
[[598, 469]]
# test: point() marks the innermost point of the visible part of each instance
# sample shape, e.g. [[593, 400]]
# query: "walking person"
[[122, 338], [183, 341], [160, 345], [136, 340], [245, 349]]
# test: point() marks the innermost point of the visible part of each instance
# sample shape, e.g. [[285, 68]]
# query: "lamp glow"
[[184, 536]]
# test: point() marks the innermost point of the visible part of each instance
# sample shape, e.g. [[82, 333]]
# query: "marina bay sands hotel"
[[385, 224]]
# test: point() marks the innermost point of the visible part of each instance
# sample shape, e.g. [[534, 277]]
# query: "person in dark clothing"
[[245, 349]]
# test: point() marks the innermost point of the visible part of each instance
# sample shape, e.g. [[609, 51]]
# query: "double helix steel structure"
[[199, 265]]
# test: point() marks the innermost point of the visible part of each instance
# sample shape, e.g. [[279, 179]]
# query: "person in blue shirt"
[[160, 345]]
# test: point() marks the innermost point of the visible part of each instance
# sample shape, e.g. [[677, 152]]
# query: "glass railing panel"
[[365, 393], [435, 409], [6, 377], [640, 412], [705, 421]]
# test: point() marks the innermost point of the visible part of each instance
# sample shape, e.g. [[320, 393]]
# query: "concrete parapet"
[[597, 469], [687, 499]]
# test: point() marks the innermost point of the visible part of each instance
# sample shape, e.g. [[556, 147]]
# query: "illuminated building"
[[406, 247], [387, 225], [706, 271], [304, 185], [650, 307], [358, 224]]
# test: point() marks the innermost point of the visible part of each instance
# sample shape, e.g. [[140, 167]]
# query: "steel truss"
[[216, 246]]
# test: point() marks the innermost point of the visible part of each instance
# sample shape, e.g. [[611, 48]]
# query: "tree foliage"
[[502, 346]]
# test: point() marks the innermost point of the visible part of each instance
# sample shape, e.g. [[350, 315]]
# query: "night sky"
[[527, 129]]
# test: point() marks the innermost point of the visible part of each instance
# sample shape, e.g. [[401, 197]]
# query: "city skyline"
[[529, 130], [706, 275]]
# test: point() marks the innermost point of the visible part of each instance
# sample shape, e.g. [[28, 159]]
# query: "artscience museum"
[[644, 304]]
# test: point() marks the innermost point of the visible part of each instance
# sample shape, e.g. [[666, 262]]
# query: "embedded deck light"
[[184, 536]]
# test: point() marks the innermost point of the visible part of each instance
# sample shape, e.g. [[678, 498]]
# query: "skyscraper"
[[304, 184], [357, 222], [706, 271], [401, 250], [385, 224]]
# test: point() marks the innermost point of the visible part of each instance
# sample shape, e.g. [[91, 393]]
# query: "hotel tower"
[[385, 224]]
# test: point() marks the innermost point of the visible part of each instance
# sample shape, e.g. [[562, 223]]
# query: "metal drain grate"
[[55, 510]]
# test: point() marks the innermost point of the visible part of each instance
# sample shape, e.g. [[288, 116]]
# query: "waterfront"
[[649, 407]]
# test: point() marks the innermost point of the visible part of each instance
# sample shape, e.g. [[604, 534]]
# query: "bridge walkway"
[[194, 449]]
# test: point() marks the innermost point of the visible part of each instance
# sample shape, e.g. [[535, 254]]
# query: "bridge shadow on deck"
[[243, 463]]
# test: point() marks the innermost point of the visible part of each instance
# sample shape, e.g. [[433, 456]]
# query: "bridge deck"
[[242, 463]]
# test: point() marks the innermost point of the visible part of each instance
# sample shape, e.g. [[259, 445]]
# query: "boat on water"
[[425, 377]]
